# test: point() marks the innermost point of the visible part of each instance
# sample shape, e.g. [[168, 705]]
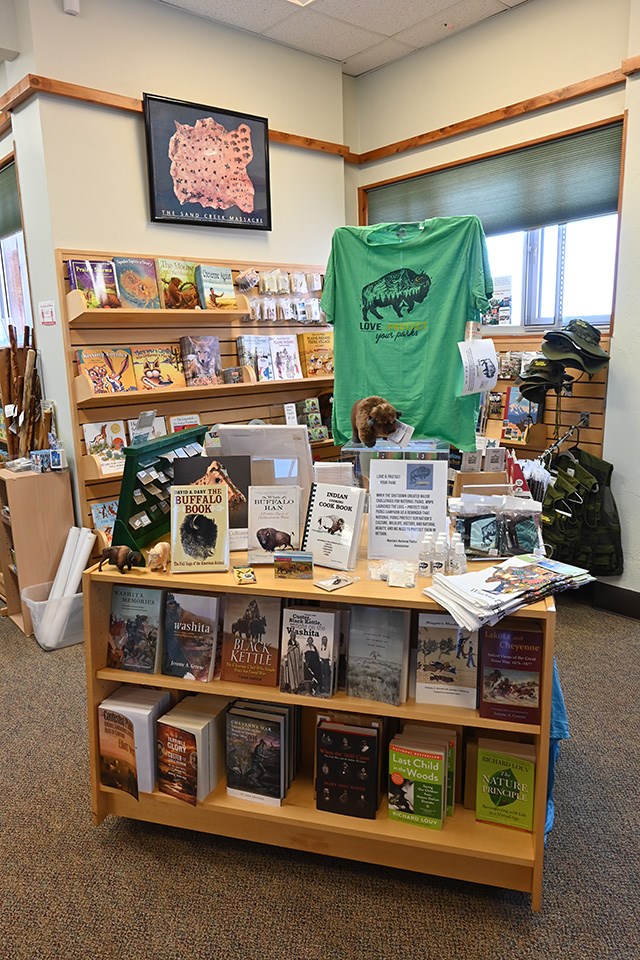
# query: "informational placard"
[[479, 366], [47, 313], [407, 498]]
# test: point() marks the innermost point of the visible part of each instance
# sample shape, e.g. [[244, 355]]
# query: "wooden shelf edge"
[[80, 317]]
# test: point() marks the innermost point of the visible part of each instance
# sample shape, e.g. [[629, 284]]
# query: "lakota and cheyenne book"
[[251, 640], [310, 640], [285, 357], [333, 524], [134, 629], [215, 287], [347, 759], [378, 663], [177, 283], [235, 472], [510, 668], [274, 521], [140, 707], [199, 529], [96, 280], [447, 662], [190, 635], [158, 368], [505, 783], [316, 352], [105, 442], [201, 361], [107, 369], [104, 516], [417, 784], [137, 282], [255, 756], [117, 751]]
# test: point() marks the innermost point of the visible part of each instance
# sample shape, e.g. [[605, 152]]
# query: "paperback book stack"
[[484, 597], [190, 746], [127, 736], [422, 764], [505, 783], [262, 750]]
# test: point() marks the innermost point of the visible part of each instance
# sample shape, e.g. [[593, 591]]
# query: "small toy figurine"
[[373, 417], [159, 556], [122, 557]]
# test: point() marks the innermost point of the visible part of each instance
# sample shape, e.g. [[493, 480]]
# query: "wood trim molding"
[[630, 66]]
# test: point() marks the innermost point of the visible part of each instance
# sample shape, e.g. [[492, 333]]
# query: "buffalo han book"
[[347, 760], [96, 280], [378, 663], [107, 369], [316, 352], [274, 521], [137, 282], [505, 783], [134, 629], [159, 367], [190, 635], [285, 357], [201, 360], [215, 287], [510, 670], [177, 283], [417, 783], [447, 662], [333, 525], [199, 529], [129, 716], [256, 756], [310, 642], [235, 472], [251, 640]]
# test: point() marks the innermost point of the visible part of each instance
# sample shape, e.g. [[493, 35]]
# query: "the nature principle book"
[[333, 524], [96, 280], [274, 521], [505, 783], [134, 629], [158, 367], [235, 472], [103, 515], [316, 352], [190, 635], [417, 784], [177, 283], [378, 661], [407, 498], [201, 360], [215, 287], [107, 369], [137, 282], [447, 662], [285, 357], [199, 529], [251, 639], [510, 671], [105, 442], [309, 651]]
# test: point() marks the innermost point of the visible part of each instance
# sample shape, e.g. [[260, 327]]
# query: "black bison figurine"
[[122, 557]]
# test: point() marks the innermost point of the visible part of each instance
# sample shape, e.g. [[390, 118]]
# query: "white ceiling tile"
[[377, 56], [323, 36], [382, 16], [455, 18], [252, 15]]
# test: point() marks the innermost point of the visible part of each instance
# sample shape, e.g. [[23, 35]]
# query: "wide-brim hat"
[[535, 393], [543, 370], [582, 335], [572, 356]]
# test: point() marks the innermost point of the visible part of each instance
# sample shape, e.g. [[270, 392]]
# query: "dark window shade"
[[568, 179], [9, 203]]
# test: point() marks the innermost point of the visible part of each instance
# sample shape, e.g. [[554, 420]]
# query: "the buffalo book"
[[255, 756], [510, 670], [347, 761], [378, 661], [505, 783], [137, 282], [96, 280], [235, 472], [310, 642], [316, 352], [417, 783], [274, 521], [251, 639], [159, 367], [199, 529], [333, 525], [134, 629], [215, 287], [130, 713], [285, 357], [201, 360], [107, 369], [447, 662], [177, 283], [190, 635]]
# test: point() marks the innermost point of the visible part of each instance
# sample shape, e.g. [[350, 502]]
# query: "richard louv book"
[[159, 367], [190, 750], [251, 639], [333, 525], [422, 734], [199, 529], [137, 282], [347, 760], [285, 357], [215, 287], [140, 707], [446, 663], [201, 360], [134, 629], [510, 671], [274, 521], [505, 783], [190, 635], [310, 639], [407, 498], [255, 756], [378, 661], [96, 280], [235, 472], [417, 783]]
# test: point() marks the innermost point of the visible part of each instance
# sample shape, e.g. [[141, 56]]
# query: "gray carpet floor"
[[126, 890]]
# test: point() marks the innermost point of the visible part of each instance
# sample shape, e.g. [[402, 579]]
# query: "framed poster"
[[207, 166]]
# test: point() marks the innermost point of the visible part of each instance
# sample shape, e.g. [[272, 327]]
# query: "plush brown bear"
[[373, 417]]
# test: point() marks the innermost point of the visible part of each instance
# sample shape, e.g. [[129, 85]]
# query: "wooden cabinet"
[[464, 849], [36, 510]]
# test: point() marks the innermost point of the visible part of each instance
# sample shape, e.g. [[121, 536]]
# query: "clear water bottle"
[[439, 564], [458, 561], [425, 555]]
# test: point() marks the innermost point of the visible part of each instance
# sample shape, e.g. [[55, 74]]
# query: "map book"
[[201, 360], [447, 662], [316, 352], [107, 369], [235, 472], [378, 660], [215, 287], [199, 529], [159, 367], [137, 282], [285, 357], [274, 521], [139, 707], [255, 756], [333, 525], [510, 671], [96, 280], [347, 761], [309, 654], [251, 639], [134, 629], [505, 783], [190, 635], [177, 283]]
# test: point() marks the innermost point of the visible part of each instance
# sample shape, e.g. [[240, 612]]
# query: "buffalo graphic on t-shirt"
[[400, 289]]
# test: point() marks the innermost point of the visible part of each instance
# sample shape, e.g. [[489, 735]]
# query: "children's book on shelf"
[[104, 515], [251, 639], [134, 629], [417, 783], [510, 671], [274, 521], [201, 360], [177, 283], [137, 282], [215, 287], [96, 280], [333, 524], [199, 529], [190, 635], [158, 428], [447, 662], [378, 662], [407, 498], [130, 712], [107, 369], [285, 357], [235, 472], [255, 352], [505, 783], [347, 760], [191, 747], [316, 352], [519, 415], [309, 651], [183, 421], [105, 442], [159, 367], [256, 756]]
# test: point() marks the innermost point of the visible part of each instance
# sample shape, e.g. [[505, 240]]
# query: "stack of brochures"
[[484, 597]]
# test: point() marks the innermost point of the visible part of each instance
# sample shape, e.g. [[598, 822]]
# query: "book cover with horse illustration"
[[251, 639]]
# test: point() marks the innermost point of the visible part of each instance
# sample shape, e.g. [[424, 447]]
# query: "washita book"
[[215, 287], [137, 282], [190, 635], [199, 529], [134, 629]]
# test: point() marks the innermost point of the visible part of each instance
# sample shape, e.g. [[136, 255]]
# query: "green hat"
[[582, 335], [572, 356], [543, 370]]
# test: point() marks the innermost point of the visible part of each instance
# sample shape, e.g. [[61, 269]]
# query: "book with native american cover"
[[310, 641], [107, 369], [215, 287], [134, 629], [510, 671], [347, 769], [117, 751], [190, 745], [285, 357], [159, 367], [505, 783], [251, 639], [96, 280], [316, 352], [235, 472], [447, 662], [177, 283], [199, 529], [190, 635], [137, 282], [201, 360], [256, 764]]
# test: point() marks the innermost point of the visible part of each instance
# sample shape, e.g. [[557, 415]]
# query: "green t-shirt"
[[399, 297]]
